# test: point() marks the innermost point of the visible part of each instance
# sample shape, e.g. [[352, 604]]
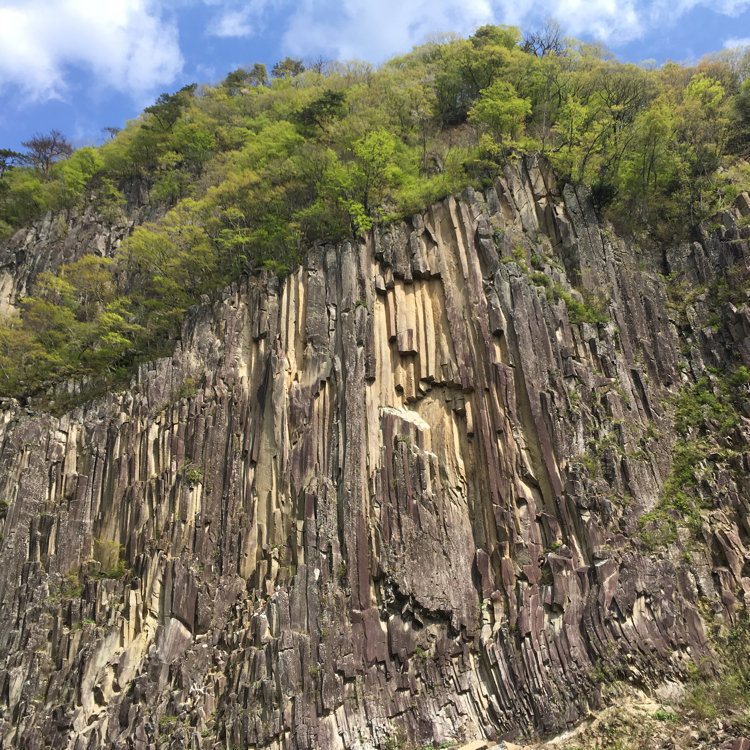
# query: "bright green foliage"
[[75, 325], [501, 110], [374, 154], [23, 358], [251, 172]]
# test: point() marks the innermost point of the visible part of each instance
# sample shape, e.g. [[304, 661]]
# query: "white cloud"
[[606, 20], [376, 30], [232, 23], [238, 18], [357, 29], [734, 42], [125, 44]]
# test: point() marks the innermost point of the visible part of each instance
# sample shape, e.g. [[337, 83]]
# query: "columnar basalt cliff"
[[394, 499]]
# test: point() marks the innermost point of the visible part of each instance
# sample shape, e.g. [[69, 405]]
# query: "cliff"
[[407, 495]]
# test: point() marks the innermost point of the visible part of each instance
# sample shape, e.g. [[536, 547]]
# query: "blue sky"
[[82, 65]]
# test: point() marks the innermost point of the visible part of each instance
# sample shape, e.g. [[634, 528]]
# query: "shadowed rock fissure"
[[391, 498]]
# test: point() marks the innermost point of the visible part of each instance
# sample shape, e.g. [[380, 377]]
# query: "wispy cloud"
[[376, 30], [132, 45], [125, 44], [239, 18], [232, 23]]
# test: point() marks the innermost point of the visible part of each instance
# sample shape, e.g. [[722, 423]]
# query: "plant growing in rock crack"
[[701, 411], [600, 672], [188, 389], [107, 553], [545, 575], [70, 587], [342, 571], [193, 475]]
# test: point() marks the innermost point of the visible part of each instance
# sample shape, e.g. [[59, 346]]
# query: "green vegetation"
[[107, 553], [193, 475], [728, 693], [252, 171], [709, 408], [70, 587], [589, 311], [716, 698], [667, 716]]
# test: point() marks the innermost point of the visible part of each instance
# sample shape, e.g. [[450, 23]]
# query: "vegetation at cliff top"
[[251, 171]]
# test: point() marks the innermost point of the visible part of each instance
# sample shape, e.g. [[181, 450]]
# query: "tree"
[[168, 107], [242, 78], [8, 159], [111, 131], [548, 41], [258, 75], [501, 110], [318, 64], [373, 152], [328, 107], [507, 37], [742, 116], [24, 362], [44, 150], [287, 68]]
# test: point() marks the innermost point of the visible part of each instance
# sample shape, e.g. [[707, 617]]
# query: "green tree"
[[287, 68], [323, 110], [168, 107], [501, 110], [373, 153], [8, 159], [24, 362], [241, 79]]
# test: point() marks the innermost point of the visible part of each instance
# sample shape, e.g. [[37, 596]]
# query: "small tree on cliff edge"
[[44, 150]]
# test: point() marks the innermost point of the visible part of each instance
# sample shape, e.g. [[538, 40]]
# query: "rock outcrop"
[[391, 500]]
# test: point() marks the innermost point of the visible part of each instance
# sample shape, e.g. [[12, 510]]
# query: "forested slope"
[[248, 174]]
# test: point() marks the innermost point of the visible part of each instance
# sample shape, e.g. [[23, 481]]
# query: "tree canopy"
[[248, 173]]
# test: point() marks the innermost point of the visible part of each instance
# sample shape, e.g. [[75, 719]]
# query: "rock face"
[[63, 238], [391, 500]]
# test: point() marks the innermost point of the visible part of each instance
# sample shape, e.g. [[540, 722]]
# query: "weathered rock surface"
[[392, 499]]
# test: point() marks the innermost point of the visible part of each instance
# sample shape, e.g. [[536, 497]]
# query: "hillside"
[[215, 181], [333, 420]]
